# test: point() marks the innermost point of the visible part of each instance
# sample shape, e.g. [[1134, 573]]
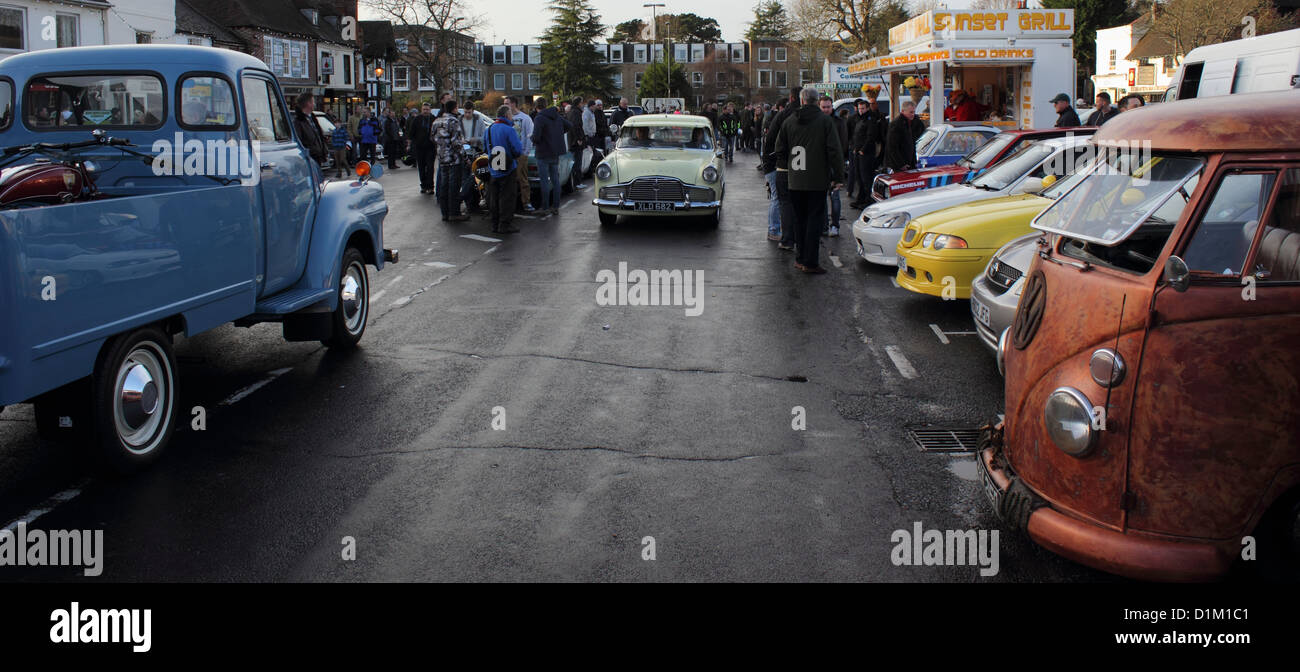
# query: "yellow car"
[[942, 252]]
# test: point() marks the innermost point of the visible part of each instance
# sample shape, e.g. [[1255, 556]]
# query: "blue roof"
[[131, 56]]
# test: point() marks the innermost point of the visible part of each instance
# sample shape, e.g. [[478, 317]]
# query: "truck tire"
[[353, 310], [133, 400]]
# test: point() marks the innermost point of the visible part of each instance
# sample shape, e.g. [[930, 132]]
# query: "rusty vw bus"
[[1152, 424]]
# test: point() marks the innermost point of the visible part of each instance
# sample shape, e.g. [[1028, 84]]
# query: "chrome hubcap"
[[140, 402], [353, 297]]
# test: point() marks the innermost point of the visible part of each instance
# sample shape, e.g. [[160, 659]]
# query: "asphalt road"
[[621, 422]]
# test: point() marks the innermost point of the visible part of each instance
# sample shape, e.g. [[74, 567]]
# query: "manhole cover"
[[932, 439]]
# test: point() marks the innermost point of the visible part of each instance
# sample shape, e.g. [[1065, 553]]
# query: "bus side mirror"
[[1177, 274]]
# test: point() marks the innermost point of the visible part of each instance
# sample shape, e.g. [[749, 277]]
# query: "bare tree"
[[1188, 24], [862, 24], [812, 26], [439, 36]]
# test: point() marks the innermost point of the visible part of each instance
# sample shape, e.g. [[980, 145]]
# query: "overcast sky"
[[522, 21]]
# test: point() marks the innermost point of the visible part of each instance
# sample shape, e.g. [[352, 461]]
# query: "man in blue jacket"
[[548, 136], [503, 148]]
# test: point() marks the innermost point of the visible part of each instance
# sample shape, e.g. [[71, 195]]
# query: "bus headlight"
[[1068, 418]]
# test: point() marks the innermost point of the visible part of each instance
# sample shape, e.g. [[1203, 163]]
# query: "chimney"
[[1022, 4]]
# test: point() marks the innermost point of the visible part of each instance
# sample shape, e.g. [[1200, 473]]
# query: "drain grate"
[[933, 439]]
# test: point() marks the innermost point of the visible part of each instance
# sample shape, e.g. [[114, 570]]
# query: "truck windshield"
[[116, 101], [6, 104], [1123, 190], [664, 137], [1010, 169], [985, 153]]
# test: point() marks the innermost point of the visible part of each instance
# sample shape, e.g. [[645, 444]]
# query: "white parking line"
[[439, 264], [836, 260], [396, 280], [569, 202], [45, 507], [494, 249], [482, 239], [375, 297], [241, 394], [900, 362], [939, 332], [401, 302]]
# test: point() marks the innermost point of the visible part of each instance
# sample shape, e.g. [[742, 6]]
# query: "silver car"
[[995, 293]]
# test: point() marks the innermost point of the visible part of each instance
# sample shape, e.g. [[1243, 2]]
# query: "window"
[[637, 80], [738, 53], [401, 77], [721, 52], [517, 54], [764, 79], [68, 29], [679, 53], [498, 55], [1167, 63], [618, 81], [639, 53], [535, 54], [347, 69], [697, 52], [739, 79], [425, 80], [1112, 61], [722, 78], [206, 101], [403, 45], [287, 58], [534, 81], [780, 54], [266, 119], [615, 53], [764, 54], [1228, 226], [699, 100], [780, 79], [697, 79], [6, 104], [120, 101], [516, 80], [961, 142], [499, 81], [13, 22], [1278, 257], [658, 53], [805, 76], [143, 37], [803, 56], [194, 41]]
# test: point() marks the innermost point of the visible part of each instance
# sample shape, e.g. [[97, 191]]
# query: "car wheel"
[[715, 219], [353, 308], [134, 399], [607, 219]]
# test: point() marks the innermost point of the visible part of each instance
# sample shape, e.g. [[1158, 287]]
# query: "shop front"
[[1009, 64]]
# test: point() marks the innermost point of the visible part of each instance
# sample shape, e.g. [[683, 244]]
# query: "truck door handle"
[[268, 165]]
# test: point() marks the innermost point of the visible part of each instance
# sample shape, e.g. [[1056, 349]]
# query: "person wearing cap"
[[1065, 115]]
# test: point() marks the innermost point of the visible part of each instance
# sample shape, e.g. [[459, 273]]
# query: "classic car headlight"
[[710, 174], [929, 238], [946, 241], [603, 171], [611, 193], [1107, 367], [1068, 418], [894, 221]]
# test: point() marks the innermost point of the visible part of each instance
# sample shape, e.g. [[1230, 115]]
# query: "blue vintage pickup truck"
[[148, 191]]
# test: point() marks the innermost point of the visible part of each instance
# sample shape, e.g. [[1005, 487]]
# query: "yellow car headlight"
[[946, 241]]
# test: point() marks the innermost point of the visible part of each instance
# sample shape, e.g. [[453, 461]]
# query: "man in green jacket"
[[809, 142]]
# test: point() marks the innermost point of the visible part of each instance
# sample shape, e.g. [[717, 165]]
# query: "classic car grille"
[[656, 189], [1002, 275]]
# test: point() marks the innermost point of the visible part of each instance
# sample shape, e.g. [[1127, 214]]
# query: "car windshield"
[[326, 126], [927, 138], [1012, 168], [1123, 190], [121, 101], [6, 104], [664, 137], [985, 153], [1066, 183]]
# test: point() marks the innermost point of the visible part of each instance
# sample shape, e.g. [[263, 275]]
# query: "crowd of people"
[[835, 153]]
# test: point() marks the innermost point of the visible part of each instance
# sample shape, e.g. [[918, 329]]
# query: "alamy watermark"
[[233, 159], [22, 547], [651, 288], [919, 546]]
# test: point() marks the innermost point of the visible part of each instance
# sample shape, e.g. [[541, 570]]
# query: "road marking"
[[401, 302], [45, 507], [494, 249], [836, 260], [439, 264], [900, 362], [482, 239], [939, 332], [569, 202], [375, 297], [240, 395], [396, 280]]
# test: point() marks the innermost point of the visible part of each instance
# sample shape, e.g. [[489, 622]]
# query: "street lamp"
[[654, 28]]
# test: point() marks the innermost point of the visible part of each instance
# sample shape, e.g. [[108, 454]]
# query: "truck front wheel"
[[353, 308], [134, 399]]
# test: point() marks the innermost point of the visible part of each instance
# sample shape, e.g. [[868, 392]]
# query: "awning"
[[954, 57]]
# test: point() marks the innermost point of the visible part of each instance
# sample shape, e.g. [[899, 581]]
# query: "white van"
[[1261, 63]]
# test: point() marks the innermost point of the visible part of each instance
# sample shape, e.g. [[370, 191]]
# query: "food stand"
[[996, 56]]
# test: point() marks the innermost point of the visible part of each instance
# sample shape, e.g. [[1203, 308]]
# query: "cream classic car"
[[663, 164]]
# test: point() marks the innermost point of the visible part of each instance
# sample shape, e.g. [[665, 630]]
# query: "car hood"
[[1019, 253], [683, 164], [917, 203], [986, 224], [902, 176]]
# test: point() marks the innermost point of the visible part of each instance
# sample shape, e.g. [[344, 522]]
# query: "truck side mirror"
[[1177, 274]]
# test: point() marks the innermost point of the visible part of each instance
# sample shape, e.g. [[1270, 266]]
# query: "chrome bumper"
[[630, 206]]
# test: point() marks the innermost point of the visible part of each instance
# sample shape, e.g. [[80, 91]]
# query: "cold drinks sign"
[[976, 24]]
